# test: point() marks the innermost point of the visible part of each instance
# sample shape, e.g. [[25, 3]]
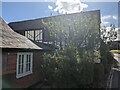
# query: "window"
[[34, 35], [38, 35], [29, 34], [24, 64]]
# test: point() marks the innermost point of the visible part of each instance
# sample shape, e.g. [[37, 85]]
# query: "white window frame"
[[36, 35], [19, 75]]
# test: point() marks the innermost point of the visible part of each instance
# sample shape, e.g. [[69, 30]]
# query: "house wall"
[[9, 62], [9, 71], [21, 32]]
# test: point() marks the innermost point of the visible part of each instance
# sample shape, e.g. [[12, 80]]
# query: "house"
[[36, 31], [59, 31], [21, 59], [40, 30]]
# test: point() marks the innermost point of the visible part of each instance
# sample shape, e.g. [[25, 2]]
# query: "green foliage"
[[106, 56], [73, 63], [108, 34], [107, 59], [65, 68], [75, 31]]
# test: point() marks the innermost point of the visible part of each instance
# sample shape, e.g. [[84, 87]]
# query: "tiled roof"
[[42, 23], [11, 39]]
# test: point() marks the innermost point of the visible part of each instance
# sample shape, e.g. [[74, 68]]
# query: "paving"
[[117, 58], [114, 80]]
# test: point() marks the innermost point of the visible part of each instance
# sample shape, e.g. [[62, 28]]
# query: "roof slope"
[[11, 39], [40, 23]]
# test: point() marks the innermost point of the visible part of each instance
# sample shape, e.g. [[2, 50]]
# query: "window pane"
[[18, 69], [19, 59], [29, 58], [22, 58], [41, 35], [29, 66], [26, 67], [38, 35], [22, 68], [29, 62], [26, 33], [22, 63], [30, 34]]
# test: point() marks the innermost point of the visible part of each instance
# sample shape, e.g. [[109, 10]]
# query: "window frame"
[[36, 35], [25, 73]]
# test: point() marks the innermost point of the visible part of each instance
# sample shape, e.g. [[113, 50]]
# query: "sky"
[[18, 11]]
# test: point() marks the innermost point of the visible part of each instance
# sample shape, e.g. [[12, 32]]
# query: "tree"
[[108, 34], [78, 41]]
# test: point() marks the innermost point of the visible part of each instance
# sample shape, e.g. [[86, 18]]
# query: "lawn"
[[115, 51]]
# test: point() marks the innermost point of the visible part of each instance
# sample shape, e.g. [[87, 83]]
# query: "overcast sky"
[[18, 11]]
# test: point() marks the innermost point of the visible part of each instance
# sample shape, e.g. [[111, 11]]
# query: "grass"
[[115, 51]]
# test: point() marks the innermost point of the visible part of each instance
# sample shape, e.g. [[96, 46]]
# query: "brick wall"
[[9, 62], [9, 76]]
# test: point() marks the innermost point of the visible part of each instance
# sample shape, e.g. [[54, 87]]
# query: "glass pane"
[[26, 67], [41, 35], [19, 59], [22, 61], [26, 34], [18, 69], [29, 58], [38, 35], [21, 64], [22, 58], [22, 68], [29, 66], [28, 61], [29, 34], [32, 35]]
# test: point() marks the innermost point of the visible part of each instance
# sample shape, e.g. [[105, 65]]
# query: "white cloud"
[[69, 6], [55, 0], [105, 19], [50, 7], [105, 22], [115, 17], [109, 17]]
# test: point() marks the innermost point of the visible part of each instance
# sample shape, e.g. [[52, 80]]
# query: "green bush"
[[66, 69]]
